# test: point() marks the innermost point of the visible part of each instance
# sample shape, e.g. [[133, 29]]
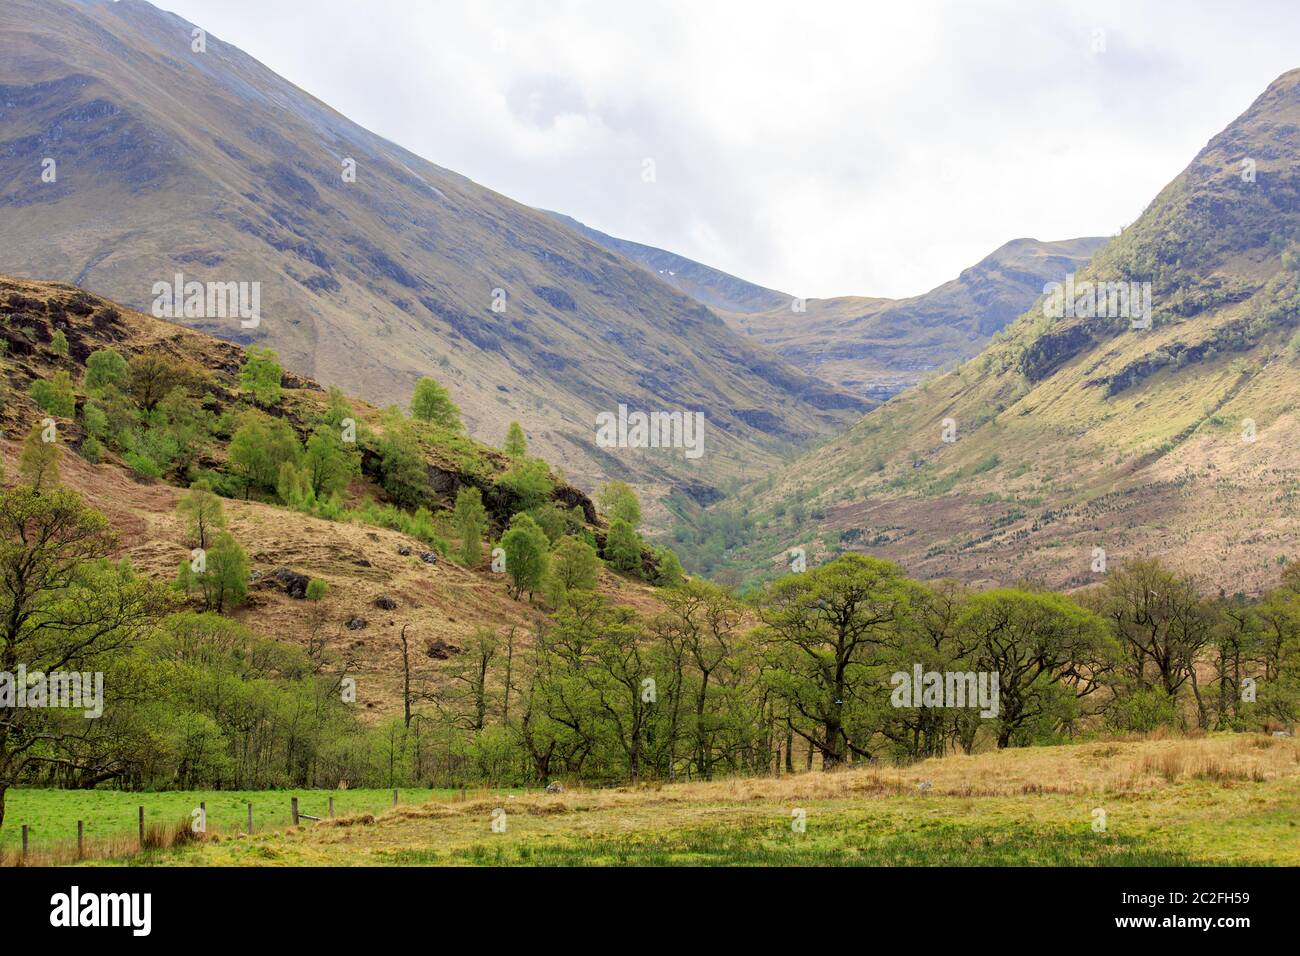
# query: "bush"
[[142, 465], [261, 375], [55, 395], [105, 367], [529, 483]]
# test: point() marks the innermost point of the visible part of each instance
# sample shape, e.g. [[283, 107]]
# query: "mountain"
[[1168, 432], [171, 160], [877, 347], [712, 287], [870, 346]]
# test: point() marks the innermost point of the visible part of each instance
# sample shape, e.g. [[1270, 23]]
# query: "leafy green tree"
[[258, 448], [38, 462], [329, 463], [202, 512], [668, 570], [516, 446], [219, 576], [402, 467], [152, 376], [623, 546], [575, 566], [432, 403], [63, 608], [261, 375], [528, 482], [1048, 652], [59, 344], [105, 367], [470, 520], [820, 630], [294, 488], [619, 502], [55, 395], [527, 555], [316, 589]]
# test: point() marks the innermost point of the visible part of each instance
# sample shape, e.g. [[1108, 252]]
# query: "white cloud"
[[820, 148]]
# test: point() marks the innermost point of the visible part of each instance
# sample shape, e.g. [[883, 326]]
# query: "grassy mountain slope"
[[876, 347], [360, 562], [1080, 433], [209, 164]]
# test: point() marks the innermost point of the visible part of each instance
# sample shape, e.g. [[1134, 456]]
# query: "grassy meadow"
[[111, 817], [1217, 800]]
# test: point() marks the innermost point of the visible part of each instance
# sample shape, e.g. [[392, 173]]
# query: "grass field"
[[52, 815], [1222, 800]]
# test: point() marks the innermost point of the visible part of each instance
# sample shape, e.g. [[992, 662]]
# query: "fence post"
[[394, 798], [293, 808], [250, 817], [142, 828], [24, 843], [81, 833], [203, 816], [331, 808]]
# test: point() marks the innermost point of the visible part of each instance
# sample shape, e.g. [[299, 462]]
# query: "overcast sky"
[[820, 148]]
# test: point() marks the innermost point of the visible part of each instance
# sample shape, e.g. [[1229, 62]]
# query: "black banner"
[[339, 906]]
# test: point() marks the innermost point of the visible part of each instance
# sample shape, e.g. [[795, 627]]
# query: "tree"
[[39, 461], [261, 375], [63, 609], [104, 368], [516, 446], [1046, 650], [203, 513], [619, 502], [328, 463], [219, 575], [527, 555], [432, 403], [820, 629], [59, 344], [402, 465], [470, 520], [528, 481], [1160, 621], [668, 569], [623, 546], [152, 376], [259, 447], [55, 395], [575, 566]]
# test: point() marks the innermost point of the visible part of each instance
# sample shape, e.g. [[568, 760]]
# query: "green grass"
[[52, 815], [844, 842]]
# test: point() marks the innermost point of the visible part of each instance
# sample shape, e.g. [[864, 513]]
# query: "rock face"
[[385, 603], [356, 624], [429, 557]]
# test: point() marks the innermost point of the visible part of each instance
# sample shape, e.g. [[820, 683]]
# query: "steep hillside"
[[376, 266], [379, 578], [877, 347], [1074, 433]]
